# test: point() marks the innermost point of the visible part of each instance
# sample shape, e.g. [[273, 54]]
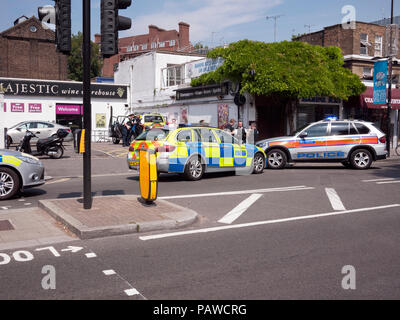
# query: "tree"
[[284, 70], [75, 61]]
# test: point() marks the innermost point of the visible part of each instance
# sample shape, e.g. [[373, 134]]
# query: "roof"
[[14, 31]]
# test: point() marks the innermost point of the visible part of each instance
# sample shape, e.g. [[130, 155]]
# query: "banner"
[[380, 74], [223, 115]]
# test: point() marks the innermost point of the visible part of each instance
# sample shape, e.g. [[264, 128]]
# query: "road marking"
[[334, 198], [90, 255], [4, 208], [385, 182], [131, 292], [236, 192], [59, 181], [109, 272], [252, 224], [240, 209], [374, 180], [27, 204], [72, 249]]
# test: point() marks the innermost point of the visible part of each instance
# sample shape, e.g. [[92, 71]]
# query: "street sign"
[[380, 75], [391, 40]]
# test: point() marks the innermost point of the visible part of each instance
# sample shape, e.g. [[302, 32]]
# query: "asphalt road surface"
[[307, 232]]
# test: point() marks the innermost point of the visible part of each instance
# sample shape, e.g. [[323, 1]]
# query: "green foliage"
[[75, 61], [288, 69]]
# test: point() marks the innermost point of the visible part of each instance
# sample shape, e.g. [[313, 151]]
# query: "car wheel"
[[276, 159], [9, 183], [194, 169], [361, 159], [258, 163], [115, 140], [59, 153]]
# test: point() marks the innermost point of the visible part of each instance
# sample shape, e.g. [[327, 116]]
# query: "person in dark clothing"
[[230, 126], [130, 127]]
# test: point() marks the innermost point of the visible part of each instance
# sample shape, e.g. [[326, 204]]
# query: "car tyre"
[[276, 159], [194, 169], [59, 154], [9, 183], [258, 163], [361, 159]]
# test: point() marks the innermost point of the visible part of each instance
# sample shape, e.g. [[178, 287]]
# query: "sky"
[[216, 22]]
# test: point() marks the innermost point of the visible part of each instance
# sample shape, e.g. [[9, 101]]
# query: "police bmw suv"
[[354, 143]]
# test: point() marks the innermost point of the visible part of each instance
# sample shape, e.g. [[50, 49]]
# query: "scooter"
[[52, 146]]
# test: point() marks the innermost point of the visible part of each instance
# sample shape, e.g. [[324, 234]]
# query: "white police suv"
[[354, 143]]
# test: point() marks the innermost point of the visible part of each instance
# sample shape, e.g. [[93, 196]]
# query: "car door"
[[19, 132], [233, 154], [311, 142], [342, 137], [210, 147]]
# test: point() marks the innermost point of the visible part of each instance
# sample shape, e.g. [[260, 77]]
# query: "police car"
[[17, 171], [354, 143], [195, 150]]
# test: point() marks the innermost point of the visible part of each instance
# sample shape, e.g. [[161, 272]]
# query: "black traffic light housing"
[[111, 23], [61, 17]]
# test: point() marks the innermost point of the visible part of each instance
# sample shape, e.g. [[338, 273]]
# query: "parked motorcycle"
[[52, 147]]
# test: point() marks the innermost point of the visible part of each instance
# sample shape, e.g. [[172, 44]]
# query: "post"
[[2, 123], [389, 104], [87, 108]]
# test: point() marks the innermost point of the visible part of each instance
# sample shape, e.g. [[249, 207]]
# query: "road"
[[285, 234]]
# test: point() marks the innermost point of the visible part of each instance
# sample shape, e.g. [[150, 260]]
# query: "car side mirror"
[[18, 129], [303, 135]]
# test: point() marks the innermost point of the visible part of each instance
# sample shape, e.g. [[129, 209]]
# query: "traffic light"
[[111, 23], [60, 15]]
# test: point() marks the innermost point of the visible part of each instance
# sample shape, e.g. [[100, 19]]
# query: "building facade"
[[27, 50], [157, 39]]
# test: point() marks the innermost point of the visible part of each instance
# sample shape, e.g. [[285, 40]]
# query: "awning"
[[366, 99]]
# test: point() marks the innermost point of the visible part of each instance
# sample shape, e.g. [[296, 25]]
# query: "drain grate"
[[5, 225]]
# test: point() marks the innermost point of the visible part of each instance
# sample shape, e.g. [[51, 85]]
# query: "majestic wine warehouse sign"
[[60, 89]]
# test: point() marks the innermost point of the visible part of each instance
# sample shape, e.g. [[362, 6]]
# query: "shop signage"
[[60, 89], [17, 107], [35, 108], [200, 92], [316, 100], [380, 72], [68, 109], [197, 68]]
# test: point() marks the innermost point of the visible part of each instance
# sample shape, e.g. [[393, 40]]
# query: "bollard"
[[148, 175]]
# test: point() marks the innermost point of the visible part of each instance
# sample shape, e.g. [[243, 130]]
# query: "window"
[[378, 46], [362, 129], [171, 43], [144, 46], [226, 137], [136, 48], [43, 125], [154, 45], [364, 43], [129, 49], [153, 119], [173, 75], [32, 125], [367, 72], [184, 136], [207, 135], [317, 130], [161, 44], [353, 130], [153, 135], [339, 128]]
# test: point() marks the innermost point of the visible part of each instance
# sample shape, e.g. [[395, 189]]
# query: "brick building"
[[27, 50], [157, 39]]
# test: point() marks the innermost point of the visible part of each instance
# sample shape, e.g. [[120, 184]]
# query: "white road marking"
[[109, 272], [27, 204], [334, 198], [386, 182], [236, 192], [90, 255], [131, 292], [72, 249], [21, 200], [252, 224], [59, 181], [51, 249], [240, 209], [374, 180], [4, 208]]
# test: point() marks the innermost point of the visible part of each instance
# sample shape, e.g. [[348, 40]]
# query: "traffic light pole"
[[87, 108]]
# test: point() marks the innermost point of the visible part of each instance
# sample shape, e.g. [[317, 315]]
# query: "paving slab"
[[117, 215]]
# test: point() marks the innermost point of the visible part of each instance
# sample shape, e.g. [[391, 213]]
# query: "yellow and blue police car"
[[17, 171], [195, 150]]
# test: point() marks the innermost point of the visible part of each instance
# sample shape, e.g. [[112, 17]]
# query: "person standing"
[[130, 127], [231, 126], [252, 134], [241, 133]]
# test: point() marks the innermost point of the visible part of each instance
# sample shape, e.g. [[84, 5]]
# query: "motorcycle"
[[52, 146]]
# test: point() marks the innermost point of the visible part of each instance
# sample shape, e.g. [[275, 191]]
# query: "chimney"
[[153, 31], [97, 38], [183, 35]]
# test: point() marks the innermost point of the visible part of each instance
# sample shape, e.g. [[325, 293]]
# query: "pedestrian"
[[240, 133], [130, 127], [230, 126], [252, 134], [126, 129]]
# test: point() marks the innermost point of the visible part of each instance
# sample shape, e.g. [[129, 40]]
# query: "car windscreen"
[[153, 135], [153, 119], [15, 125]]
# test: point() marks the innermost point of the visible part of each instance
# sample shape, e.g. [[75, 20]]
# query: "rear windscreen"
[[153, 135]]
